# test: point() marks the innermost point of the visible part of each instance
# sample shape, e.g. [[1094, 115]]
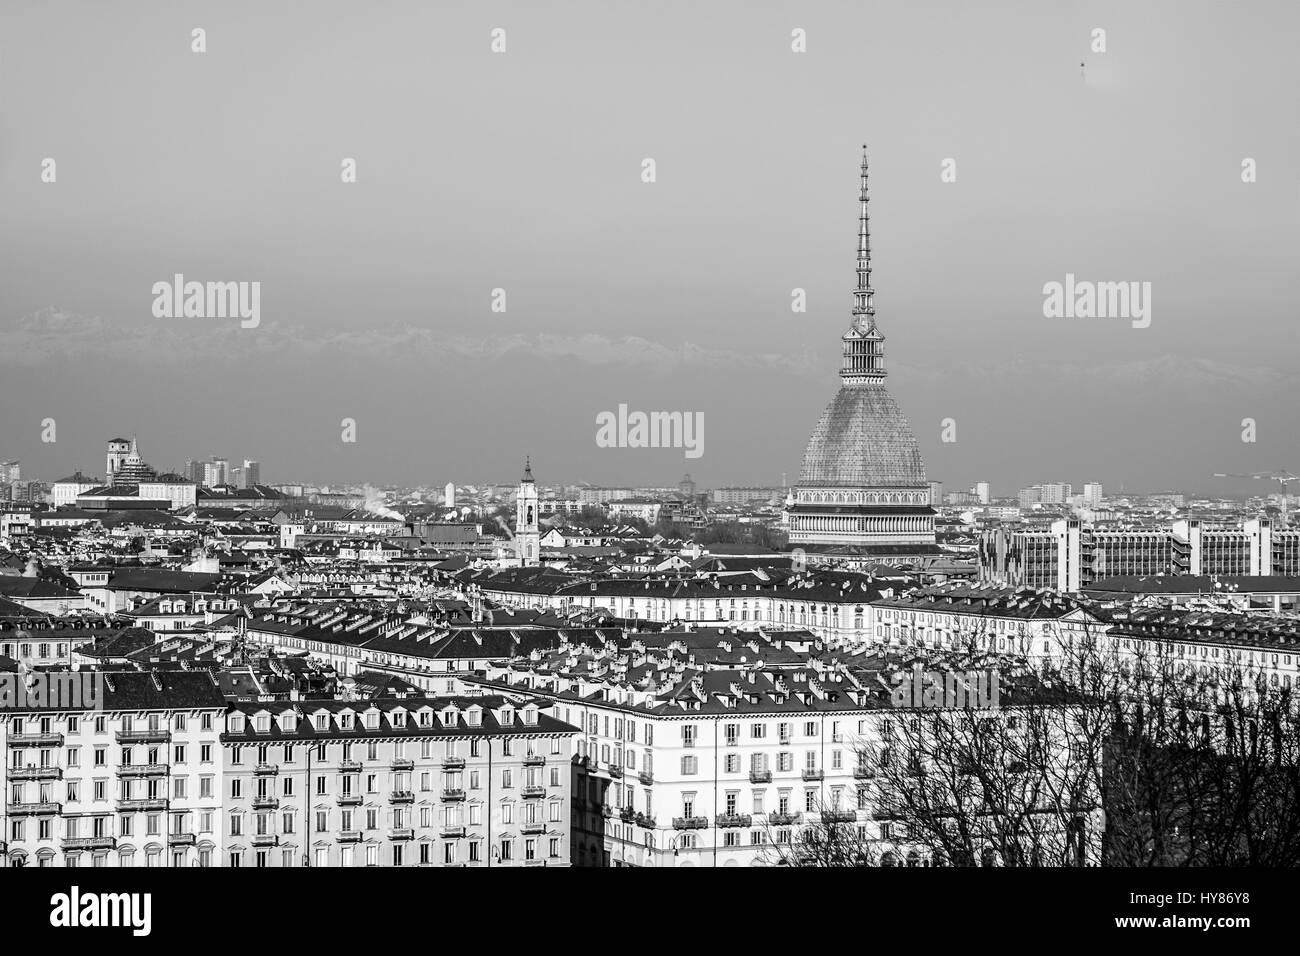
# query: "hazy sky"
[[522, 171]]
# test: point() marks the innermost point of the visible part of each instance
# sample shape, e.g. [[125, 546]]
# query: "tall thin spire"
[[863, 293], [864, 347]]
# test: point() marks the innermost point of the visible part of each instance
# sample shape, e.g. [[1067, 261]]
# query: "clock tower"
[[527, 538]]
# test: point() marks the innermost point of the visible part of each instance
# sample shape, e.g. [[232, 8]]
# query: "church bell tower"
[[527, 537]]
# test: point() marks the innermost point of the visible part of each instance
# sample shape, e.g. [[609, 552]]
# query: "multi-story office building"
[[128, 775], [414, 781], [1069, 556]]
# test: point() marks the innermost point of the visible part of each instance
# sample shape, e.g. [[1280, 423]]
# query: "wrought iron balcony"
[[149, 803], [784, 819], [534, 760], [401, 833], [735, 820], [760, 776], [142, 770], [33, 809], [144, 736], [644, 821], [88, 843], [402, 763], [627, 814], [36, 740], [452, 832], [839, 816], [453, 763], [349, 766], [533, 791], [690, 823], [266, 770], [401, 796], [266, 803], [810, 774], [349, 836], [615, 771], [185, 839], [349, 799], [262, 839], [453, 793], [35, 773], [864, 772], [646, 777], [535, 827]]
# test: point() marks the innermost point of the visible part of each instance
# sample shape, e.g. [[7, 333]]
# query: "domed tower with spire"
[[527, 534], [862, 489]]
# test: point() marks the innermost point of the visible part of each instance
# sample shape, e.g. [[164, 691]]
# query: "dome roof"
[[862, 440]]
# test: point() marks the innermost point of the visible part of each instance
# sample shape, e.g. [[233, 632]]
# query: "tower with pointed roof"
[[527, 533], [862, 491]]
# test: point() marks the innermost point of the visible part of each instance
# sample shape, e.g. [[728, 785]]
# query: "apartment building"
[[409, 781], [682, 768], [127, 776]]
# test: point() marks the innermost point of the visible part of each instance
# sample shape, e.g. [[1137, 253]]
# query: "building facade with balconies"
[[131, 778], [408, 781]]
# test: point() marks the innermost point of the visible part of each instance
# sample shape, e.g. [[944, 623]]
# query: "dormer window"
[[322, 721], [289, 723], [236, 723], [372, 720], [263, 723], [507, 716], [450, 717], [426, 718], [399, 718], [345, 721], [474, 718], [530, 715]]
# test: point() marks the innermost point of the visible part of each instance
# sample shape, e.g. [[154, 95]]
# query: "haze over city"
[[521, 172]]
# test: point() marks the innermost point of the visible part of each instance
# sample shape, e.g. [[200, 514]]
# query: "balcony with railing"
[[760, 776], [451, 794], [690, 823], [532, 791], [401, 796], [266, 769], [265, 839], [735, 820], [864, 772], [266, 802], [839, 816], [142, 770], [452, 831], [784, 819], [349, 836], [88, 843], [158, 736], [401, 833], [36, 740], [184, 839], [349, 799], [537, 826], [33, 809], [646, 777], [616, 771], [627, 814], [810, 773], [35, 773], [402, 763], [148, 803], [450, 762], [349, 766], [534, 760], [645, 821]]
